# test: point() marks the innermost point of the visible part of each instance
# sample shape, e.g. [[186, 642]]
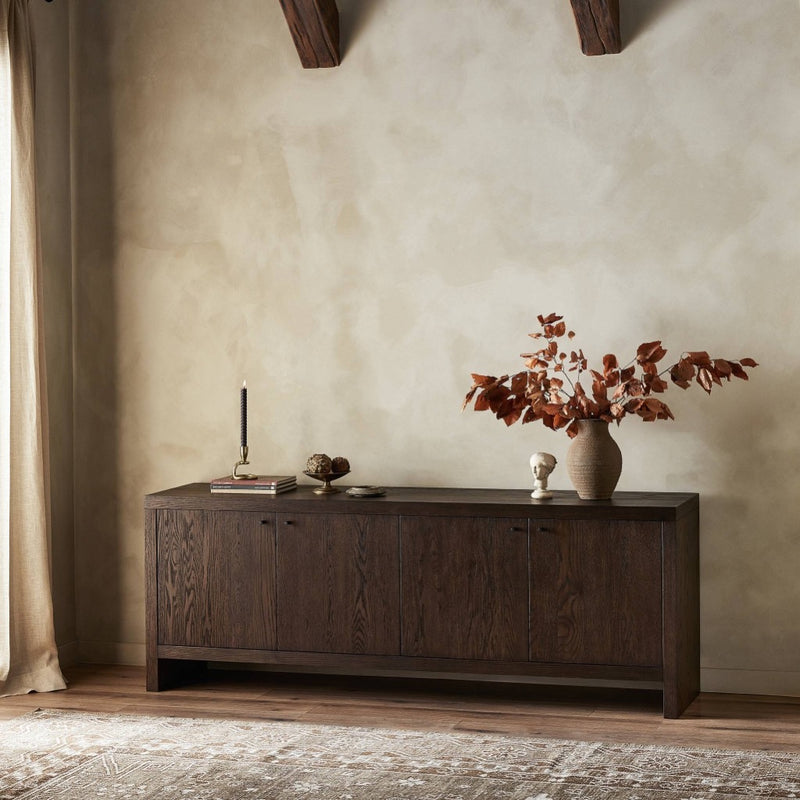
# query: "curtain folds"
[[28, 655]]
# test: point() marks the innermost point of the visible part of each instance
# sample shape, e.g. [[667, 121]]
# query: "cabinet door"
[[216, 579], [596, 592], [465, 587], [338, 583]]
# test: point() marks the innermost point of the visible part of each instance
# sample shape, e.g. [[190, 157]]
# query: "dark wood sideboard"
[[459, 581]]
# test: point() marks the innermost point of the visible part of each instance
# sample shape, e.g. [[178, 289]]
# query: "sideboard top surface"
[[439, 501]]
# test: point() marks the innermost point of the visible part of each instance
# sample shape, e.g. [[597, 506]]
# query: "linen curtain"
[[28, 655]]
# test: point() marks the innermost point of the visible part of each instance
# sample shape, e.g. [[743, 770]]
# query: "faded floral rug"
[[80, 756]]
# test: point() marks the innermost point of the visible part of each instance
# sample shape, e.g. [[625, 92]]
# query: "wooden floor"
[[713, 720]]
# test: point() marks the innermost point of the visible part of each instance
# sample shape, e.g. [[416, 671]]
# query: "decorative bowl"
[[326, 478]]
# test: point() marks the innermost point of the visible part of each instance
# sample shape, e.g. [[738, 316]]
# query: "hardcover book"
[[263, 484]]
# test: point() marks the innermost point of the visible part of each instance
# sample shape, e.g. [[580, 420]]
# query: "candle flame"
[[244, 384]]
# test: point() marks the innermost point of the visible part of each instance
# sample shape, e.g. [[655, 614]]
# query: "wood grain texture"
[[154, 684], [314, 25], [338, 583], [464, 587], [216, 579], [681, 615], [598, 26], [480, 589], [596, 592]]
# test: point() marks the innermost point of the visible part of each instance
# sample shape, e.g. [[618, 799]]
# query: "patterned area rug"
[[76, 756]]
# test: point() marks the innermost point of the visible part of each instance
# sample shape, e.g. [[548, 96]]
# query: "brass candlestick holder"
[[242, 462]]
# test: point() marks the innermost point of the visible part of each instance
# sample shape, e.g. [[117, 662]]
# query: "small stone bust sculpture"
[[542, 464]]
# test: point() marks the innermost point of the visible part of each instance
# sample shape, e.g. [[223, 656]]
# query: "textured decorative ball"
[[340, 464], [319, 462]]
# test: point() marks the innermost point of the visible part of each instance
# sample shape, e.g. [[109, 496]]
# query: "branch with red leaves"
[[546, 391]]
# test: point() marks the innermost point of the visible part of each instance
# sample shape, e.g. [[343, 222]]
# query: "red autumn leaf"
[[570, 334], [530, 416], [650, 352], [737, 370], [599, 390], [609, 363], [549, 319], [635, 388], [587, 407], [572, 430], [560, 329], [658, 384], [682, 373], [497, 396], [704, 378], [519, 383], [483, 380], [748, 362], [470, 395], [722, 368], [700, 358], [482, 402], [509, 412]]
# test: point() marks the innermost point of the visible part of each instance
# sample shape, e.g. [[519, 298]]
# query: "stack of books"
[[263, 484]]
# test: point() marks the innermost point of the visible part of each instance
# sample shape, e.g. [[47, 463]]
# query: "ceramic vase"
[[594, 461]]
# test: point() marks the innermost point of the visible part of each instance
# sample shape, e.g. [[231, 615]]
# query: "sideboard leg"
[[676, 700], [681, 614]]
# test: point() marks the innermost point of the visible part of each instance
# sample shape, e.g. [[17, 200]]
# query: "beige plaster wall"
[[52, 65], [354, 242]]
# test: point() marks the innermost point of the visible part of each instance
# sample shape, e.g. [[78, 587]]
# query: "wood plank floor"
[[713, 720]]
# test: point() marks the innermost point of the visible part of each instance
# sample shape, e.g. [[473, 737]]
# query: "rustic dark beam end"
[[314, 25], [598, 26]]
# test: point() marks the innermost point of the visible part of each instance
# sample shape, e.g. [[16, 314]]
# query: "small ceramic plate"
[[366, 491]]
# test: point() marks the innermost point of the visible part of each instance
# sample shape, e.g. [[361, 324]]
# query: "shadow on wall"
[[636, 16], [749, 535], [97, 517], [354, 16]]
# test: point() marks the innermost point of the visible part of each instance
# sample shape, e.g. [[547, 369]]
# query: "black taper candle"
[[244, 414]]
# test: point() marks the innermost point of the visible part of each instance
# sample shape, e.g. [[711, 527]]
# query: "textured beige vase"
[[594, 461]]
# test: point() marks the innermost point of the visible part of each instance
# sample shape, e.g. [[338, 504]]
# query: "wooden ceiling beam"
[[598, 26], [314, 25]]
